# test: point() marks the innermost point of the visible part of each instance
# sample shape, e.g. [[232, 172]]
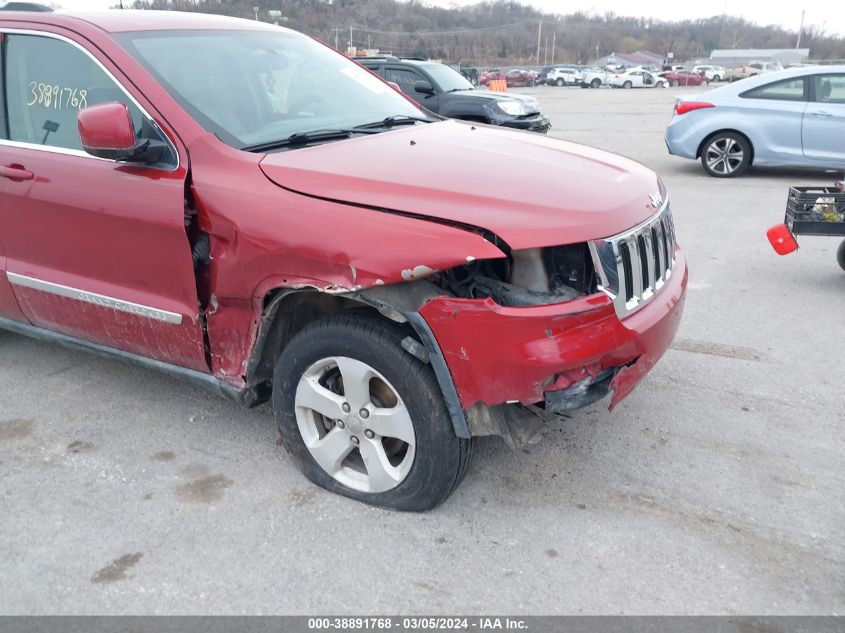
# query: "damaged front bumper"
[[561, 356]]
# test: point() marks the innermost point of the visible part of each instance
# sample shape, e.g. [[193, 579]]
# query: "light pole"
[[256, 13], [800, 28], [539, 34]]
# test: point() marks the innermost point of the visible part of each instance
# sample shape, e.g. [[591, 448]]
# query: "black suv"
[[445, 92]]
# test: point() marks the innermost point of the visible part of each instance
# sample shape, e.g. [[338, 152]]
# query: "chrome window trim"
[[75, 152], [93, 298]]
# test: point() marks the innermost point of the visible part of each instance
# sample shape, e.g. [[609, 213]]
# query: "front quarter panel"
[[264, 237]]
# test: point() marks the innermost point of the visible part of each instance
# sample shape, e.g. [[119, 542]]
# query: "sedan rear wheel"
[[559, 83], [726, 155], [627, 85]]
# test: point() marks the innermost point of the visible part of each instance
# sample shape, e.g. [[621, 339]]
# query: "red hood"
[[528, 189]]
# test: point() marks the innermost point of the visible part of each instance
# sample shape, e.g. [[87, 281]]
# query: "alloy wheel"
[[355, 424], [724, 155]]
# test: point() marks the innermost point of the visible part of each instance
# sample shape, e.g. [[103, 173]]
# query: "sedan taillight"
[[682, 107]]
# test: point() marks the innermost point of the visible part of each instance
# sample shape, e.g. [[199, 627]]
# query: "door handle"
[[822, 113], [16, 173]]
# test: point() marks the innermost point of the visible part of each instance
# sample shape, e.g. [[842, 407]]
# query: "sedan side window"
[[784, 90], [829, 88], [47, 82]]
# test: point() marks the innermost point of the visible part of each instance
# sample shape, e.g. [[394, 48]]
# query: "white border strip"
[[95, 299]]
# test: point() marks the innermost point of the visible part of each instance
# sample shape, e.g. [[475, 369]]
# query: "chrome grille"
[[633, 266]]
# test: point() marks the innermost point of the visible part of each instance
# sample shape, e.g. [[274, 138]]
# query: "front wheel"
[[559, 83], [675, 83], [840, 255], [716, 79], [627, 85], [595, 83], [364, 418], [725, 155]]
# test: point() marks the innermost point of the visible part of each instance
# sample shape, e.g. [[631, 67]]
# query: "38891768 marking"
[[56, 96]]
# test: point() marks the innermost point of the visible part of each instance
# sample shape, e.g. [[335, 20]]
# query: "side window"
[[405, 79], [829, 88], [47, 81], [785, 90]]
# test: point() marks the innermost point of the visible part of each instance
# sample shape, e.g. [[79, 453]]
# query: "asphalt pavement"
[[716, 487]]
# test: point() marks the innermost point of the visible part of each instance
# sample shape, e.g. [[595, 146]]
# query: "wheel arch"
[[722, 131], [288, 311]]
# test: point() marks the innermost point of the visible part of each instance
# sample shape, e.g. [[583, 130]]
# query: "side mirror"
[[106, 131], [423, 87]]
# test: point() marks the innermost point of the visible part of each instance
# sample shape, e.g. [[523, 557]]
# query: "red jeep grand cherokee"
[[242, 206]]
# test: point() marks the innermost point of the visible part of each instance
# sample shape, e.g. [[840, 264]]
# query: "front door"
[[95, 249], [823, 130], [406, 78]]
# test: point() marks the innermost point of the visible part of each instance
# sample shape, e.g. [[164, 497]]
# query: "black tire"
[[726, 138], [716, 79], [595, 83], [441, 458], [627, 85], [559, 82], [840, 255], [675, 83]]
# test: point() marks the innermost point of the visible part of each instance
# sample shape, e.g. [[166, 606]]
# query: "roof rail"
[[25, 6]]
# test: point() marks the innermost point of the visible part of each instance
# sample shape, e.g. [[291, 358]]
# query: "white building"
[[735, 57]]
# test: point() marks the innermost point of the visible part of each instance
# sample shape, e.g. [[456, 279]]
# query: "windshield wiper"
[[305, 138], [396, 119]]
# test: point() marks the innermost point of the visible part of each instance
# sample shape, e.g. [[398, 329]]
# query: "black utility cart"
[[812, 211]]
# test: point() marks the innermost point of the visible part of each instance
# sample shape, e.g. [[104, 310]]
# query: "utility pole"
[[256, 13], [350, 37], [553, 46], [546, 51], [337, 31], [539, 35], [801, 28], [597, 53]]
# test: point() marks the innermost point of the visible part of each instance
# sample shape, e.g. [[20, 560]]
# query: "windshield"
[[448, 79], [255, 87]]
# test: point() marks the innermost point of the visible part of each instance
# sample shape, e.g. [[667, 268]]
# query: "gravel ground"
[[716, 488]]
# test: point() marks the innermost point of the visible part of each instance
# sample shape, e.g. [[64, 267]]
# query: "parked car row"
[[515, 77]]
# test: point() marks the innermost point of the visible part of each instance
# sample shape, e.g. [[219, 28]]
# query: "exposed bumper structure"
[[533, 123], [544, 354]]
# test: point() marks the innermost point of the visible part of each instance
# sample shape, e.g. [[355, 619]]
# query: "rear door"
[[823, 131], [8, 304], [94, 249]]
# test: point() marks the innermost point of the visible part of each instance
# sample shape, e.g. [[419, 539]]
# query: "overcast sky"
[[827, 13]]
